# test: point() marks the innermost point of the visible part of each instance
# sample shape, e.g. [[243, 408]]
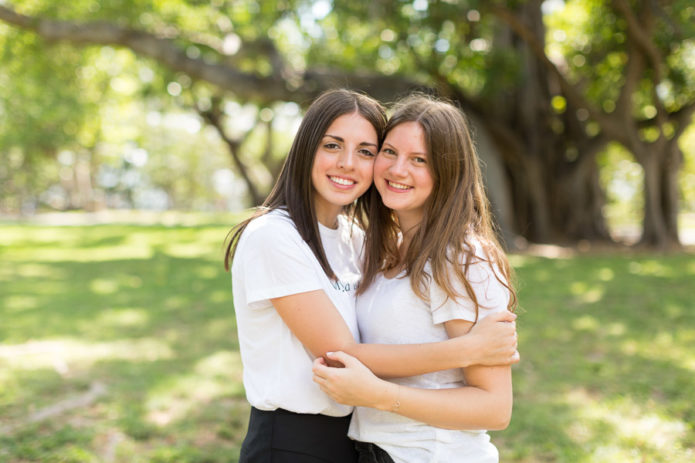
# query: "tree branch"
[[252, 86], [639, 32], [571, 92], [682, 118], [213, 117], [631, 74]]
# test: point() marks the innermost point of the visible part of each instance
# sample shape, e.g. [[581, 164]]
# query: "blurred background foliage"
[[582, 107]]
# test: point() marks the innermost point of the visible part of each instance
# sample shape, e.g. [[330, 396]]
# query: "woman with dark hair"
[[296, 265], [433, 270]]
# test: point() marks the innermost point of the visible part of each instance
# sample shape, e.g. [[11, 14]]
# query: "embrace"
[[374, 303]]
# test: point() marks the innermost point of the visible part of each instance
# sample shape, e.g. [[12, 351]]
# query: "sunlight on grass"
[[606, 274], [517, 260], [691, 267], [62, 354], [585, 293], [616, 330], [207, 272], [636, 429], [100, 254], [103, 286], [176, 302], [37, 271], [123, 318], [21, 302], [585, 323], [220, 295], [187, 250], [663, 346], [212, 377], [650, 267]]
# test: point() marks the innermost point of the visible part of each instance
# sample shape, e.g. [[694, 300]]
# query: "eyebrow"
[[340, 139], [412, 152]]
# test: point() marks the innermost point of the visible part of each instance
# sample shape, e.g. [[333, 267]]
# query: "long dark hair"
[[457, 211], [293, 190]]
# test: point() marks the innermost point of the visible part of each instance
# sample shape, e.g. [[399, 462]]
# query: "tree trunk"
[[538, 228], [669, 190], [654, 224], [580, 202], [496, 183]]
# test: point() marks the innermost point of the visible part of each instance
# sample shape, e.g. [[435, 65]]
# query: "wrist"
[[463, 353], [390, 398]]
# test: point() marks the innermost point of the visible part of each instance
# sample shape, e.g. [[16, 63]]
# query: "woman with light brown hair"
[[433, 270]]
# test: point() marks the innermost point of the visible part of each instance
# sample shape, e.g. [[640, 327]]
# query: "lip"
[[395, 189], [342, 186]]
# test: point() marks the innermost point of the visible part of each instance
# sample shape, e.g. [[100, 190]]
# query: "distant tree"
[[549, 103]]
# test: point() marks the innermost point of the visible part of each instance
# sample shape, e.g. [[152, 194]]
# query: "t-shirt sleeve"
[[274, 261], [492, 295]]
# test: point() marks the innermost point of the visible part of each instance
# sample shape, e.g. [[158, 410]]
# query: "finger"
[[516, 357], [507, 316], [342, 357], [329, 361], [501, 316], [321, 369], [317, 362]]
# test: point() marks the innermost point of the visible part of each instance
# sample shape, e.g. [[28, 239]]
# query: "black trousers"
[[280, 436], [370, 453]]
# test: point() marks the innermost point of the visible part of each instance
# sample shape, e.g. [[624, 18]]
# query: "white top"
[[272, 260], [389, 312]]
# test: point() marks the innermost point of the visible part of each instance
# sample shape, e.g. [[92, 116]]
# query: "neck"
[[408, 225], [327, 214], [328, 219]]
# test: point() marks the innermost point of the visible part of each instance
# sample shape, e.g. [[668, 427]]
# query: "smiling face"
[[402, 174], [343, 165]]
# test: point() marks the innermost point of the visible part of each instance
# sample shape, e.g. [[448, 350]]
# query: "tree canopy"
[[550, 83]]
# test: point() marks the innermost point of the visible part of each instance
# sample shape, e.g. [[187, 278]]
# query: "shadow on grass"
[[607, 347], [605, 368], [105, 300], [159, 333], [146, 407]]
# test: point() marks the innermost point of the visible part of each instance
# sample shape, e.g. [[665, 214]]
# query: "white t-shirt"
[[272, 260], [389, 312]]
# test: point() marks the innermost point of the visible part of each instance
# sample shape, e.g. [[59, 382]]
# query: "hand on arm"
[[315, 321], [492, 341], [313, 318], [485, 403]]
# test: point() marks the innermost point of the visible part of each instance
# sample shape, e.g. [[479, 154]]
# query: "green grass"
[[144, 314], [144, 311]]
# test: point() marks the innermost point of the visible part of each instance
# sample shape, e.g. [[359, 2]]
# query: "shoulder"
[[474, 247], [475, 264], [273, 223], [477, 254], [270, 231]]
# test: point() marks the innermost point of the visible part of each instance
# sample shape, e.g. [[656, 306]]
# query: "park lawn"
[[118, 344]]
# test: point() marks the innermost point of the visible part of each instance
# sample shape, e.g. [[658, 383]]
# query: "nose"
[[398, 167], [346, 159]]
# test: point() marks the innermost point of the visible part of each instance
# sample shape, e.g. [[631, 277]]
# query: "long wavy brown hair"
[[293, 190], [457, 212]]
